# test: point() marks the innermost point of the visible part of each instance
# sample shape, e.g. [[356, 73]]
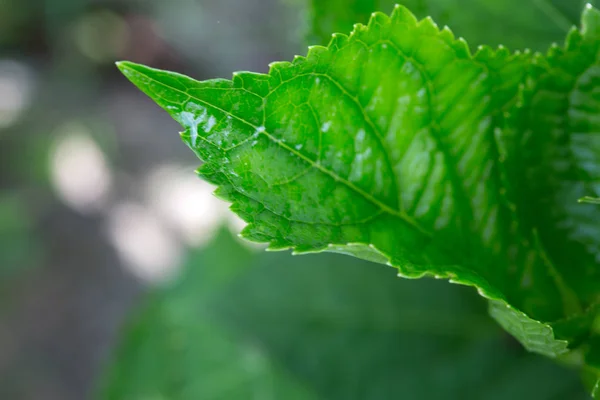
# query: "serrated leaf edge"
[[542, 331]]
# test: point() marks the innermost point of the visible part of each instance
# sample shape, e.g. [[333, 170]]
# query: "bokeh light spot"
[[16, 90], [78, 169], [146, 247]]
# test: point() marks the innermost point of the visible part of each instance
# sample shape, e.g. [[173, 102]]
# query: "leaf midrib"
[[382, 206]]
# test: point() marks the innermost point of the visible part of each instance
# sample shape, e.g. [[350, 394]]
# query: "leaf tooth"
[[237, 79], [574, 39], [224, 194], [208, 173], [484, 53], [402, 14], [279, 245], [298, 60], [500, 54], [338, 40], [502, 51], [462, 48], [428, 26], [307, 249], [378, 18], [554, 52], [447, 34], [251, 234], [278, 66], [357, 28], [315, 52], [590, 22], [589, 30]]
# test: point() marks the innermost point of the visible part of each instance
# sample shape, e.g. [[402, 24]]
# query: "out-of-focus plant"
[[238, 324], [18, 249]]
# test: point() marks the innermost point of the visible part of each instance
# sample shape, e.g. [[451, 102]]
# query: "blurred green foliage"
[[241, 325], [516, 24], [18, 248]]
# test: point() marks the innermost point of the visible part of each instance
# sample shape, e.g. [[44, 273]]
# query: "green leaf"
[[535, 25], [399, 146], [319, 327], [381, 146], [552, 142], [555, 156]]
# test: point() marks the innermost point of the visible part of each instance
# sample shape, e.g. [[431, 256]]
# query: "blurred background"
[[98, 198], [119, 277]]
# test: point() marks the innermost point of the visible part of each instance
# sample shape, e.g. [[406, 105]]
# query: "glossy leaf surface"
[[399, 146]]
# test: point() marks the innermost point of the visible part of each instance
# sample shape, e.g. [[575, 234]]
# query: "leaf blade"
[[378, 177]]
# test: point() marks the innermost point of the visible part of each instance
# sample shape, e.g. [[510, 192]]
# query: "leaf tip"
[[590, 21], [403, 14], [126, 67], [134, 72]]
